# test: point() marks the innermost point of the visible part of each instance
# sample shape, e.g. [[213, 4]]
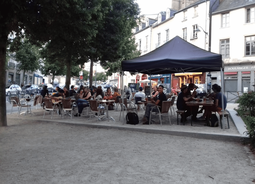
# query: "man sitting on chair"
[[139, 94], [160, 98]]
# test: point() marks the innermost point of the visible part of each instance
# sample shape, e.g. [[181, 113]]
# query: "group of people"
[[83, 95], [188, 93]]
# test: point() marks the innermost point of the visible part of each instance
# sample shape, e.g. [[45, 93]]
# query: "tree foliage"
[[27, 54]]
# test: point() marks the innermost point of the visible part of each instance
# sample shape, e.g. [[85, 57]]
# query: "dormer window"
[[195, 11]]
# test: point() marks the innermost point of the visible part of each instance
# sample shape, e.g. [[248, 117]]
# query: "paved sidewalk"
[[236, 131], [64, 151]]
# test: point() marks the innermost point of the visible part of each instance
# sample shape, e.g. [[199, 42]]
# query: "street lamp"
[[206, 33]]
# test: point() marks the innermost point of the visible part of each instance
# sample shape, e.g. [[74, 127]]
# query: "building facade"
[[233, 36]]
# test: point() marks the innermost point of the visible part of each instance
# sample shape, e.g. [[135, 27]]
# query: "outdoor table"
[[197, 103], [106, 102]]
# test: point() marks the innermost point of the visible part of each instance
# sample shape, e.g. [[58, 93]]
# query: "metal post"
[[222, 99]]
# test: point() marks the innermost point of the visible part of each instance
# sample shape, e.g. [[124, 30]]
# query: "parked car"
[[32, 89], [50, 88], [13, 89]]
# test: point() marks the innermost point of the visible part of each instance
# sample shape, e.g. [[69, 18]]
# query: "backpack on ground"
[[214, 122], [132, 118]]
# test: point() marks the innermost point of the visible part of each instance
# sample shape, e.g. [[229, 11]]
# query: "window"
[[224, 48], [167, 34], [146, 43], [184, 31], [195, 11], [184, 15], [225, 20], [159, 37], [249, 45], [194, 31], [143, 25], [250, 15]]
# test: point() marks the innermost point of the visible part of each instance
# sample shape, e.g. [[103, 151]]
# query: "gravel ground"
[[51, 153]]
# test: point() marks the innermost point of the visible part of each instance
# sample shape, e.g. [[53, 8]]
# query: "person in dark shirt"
[[44, 91], [60, 91], [183, 97], [66, 93], [217, 103], [160, 98], [72, 92]]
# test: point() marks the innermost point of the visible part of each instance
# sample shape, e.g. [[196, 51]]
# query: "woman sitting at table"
[[217, 103], [99, 94], [87, 94], [108, 94], [116, 93], [154, 93], [81, 102]]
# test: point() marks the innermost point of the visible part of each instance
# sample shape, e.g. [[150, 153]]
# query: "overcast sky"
[[153, 6]]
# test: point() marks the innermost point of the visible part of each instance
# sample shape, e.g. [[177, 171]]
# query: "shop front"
[[164, 79], [239, 77]]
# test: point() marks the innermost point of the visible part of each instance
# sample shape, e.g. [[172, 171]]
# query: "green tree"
[[100, 77], [85, 75], [26, 54], [69, 23], [113, 41]]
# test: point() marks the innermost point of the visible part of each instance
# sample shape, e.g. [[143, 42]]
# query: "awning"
[[37, 75], [230, 73], [246, 72]]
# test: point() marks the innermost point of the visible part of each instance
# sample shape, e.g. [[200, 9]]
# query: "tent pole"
[[150, 85], [222, 99]]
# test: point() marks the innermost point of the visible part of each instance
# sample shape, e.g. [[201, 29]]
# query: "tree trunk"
[[68, 72], [3, 42], [91, 73], [23, 77]]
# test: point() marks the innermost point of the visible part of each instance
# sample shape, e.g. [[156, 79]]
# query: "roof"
[[175, 56], [228, 5]]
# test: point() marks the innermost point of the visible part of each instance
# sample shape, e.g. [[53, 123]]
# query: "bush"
[[246, 110]]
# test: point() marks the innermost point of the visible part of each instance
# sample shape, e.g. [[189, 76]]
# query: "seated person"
[[154, 93], [116, 93], [100, 87], [87, 94], [81, 102], [183, 97], [66, 93], [160, 98], [72, 92], [217, 103], [193, 95], [59, 93], [108, 94], [140, 93], [99, 94], [44, 92]]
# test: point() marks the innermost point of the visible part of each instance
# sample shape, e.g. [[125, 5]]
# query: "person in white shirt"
[[140, 93]]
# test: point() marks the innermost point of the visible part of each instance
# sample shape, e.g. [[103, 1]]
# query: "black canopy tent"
[[175, 56]]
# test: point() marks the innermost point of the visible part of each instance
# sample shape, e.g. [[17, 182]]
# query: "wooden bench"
[[223, 114]]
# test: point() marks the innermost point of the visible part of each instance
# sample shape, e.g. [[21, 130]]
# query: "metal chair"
[[95, 111], [19, 103], [49, 106], [163, 112], [67, 107], [138, 102]]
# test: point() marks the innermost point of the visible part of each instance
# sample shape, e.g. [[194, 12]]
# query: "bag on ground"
[[214, 122], [132, 118]]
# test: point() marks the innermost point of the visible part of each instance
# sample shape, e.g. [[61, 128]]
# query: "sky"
[[153, 6]]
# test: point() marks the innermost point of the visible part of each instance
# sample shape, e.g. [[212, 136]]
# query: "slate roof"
[[228, 5]]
